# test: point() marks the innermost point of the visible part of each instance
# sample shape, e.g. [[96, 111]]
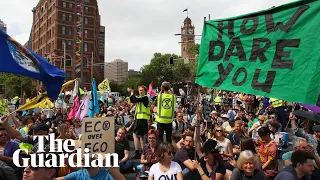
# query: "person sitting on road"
[[122, 148]]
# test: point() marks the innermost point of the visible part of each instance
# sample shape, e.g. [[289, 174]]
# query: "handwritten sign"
[[98, 135]]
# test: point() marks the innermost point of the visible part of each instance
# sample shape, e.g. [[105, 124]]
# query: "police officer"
[[166, 103], [142, 115]]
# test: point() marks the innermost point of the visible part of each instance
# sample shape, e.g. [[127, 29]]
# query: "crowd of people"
[[218, 136]]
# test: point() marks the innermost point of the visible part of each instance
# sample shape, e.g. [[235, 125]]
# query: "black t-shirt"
[[120, 146], [218, 168], [318, 147], [182, 155]]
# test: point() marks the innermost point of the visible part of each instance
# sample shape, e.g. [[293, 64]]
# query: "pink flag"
[[84, 108], [74, 109], [150, 91]]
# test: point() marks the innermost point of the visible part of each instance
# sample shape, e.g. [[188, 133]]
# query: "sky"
[[136, 29]]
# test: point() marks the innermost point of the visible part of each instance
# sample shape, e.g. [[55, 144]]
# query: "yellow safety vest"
[[3, 110], [142, 112], [276, 102], [166, 106], [217, 100], [110, 100]]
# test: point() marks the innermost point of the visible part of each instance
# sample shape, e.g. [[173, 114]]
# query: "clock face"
[[184, 31], [190, 31]]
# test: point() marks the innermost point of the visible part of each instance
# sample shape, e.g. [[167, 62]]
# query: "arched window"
[[85, 61], [68, 61]]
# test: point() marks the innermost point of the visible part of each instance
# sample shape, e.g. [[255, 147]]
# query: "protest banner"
[[98, 135], [273, 53]]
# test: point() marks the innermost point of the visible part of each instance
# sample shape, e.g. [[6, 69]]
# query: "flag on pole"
[[94, 105], [46, 104], [17, 59], [33, 103], [104, 86], [74, 109], [150, 91], [83, 109], [185, 10]]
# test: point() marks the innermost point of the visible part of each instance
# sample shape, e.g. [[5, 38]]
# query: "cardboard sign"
[[98, 135]]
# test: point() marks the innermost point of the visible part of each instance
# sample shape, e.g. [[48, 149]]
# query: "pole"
[[91, 66], [64, 56], [82, 44]]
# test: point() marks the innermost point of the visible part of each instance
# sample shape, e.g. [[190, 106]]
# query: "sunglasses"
[[151, 138], [180, 116], [3, 135], [218, 130]]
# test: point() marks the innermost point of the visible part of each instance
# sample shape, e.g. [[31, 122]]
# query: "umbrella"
[[312, 108], [308, 115]]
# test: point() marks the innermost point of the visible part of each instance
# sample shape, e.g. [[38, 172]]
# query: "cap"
[[41, 127], [210, 146], [316, 128]]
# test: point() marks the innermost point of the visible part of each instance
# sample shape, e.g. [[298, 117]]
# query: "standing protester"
[[278, 105], [142, 115], [166, 103], [3, 105]]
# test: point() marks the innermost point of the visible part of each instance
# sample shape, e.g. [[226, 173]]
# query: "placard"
[[98, 135]]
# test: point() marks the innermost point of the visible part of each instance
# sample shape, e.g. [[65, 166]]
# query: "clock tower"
[[187, 38]]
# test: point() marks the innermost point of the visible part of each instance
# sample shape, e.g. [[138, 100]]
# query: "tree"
[[194, 49], [16, 84], [134, 80]]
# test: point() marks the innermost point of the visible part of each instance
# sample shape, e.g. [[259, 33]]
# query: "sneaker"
[[136, 155]]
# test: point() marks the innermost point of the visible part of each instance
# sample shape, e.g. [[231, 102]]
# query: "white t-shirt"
[[157, 174]]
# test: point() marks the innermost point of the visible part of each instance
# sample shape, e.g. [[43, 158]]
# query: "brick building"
[[54, 25]]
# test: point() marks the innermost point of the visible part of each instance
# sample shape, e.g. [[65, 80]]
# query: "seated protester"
[[210, 165], [230, 127], [185, 153], [165, 167], [7, 172], [129, 128], [275, 135], [225, 120], [268, 153], [301, 168], [28, 123], [251, 119], [7, 148], [148, 156], [77, 127], [122, 148], [248, 167], [254, 129], [235, 136], [178, 127], [39, 130]]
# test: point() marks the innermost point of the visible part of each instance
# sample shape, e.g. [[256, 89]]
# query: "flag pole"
[[91, 67], [187, 12]]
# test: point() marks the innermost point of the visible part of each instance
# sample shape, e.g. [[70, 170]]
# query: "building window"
[[85, 62], [70, 5], [70, 17], [85, 20], [69, 47], [86, 9], [68, 75], [86, 33], [69, 30], [85, 47], [63, 16], [63, 30], [63, 43], [64, 4], [68, 61]]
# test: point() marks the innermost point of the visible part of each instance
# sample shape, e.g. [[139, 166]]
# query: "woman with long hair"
[[148, 157], [248, 167], [165, 167]]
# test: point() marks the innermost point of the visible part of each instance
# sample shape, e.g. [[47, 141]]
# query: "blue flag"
[[16, 59], [94, 105]]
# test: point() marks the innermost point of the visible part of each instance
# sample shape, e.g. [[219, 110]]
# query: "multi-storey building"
[[55, 33], [117, 71]]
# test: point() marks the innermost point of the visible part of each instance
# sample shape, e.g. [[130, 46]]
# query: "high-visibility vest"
[[110, 100], [217, 100], [276, 102], [3, 104], [166, 105], [142, 112]]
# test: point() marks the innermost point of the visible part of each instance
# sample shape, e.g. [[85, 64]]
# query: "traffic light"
[[171, 61]]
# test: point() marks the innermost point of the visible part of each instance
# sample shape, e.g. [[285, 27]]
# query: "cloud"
[[135, 30]]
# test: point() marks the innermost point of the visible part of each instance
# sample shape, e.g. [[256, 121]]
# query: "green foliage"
[[14, 84], [194, 49]]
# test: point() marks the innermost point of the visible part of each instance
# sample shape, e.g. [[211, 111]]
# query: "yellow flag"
[[104, 86], [46, 104], [33, 103], [66, 84]]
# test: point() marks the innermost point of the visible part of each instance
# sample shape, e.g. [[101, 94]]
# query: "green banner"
[[273, 53]]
